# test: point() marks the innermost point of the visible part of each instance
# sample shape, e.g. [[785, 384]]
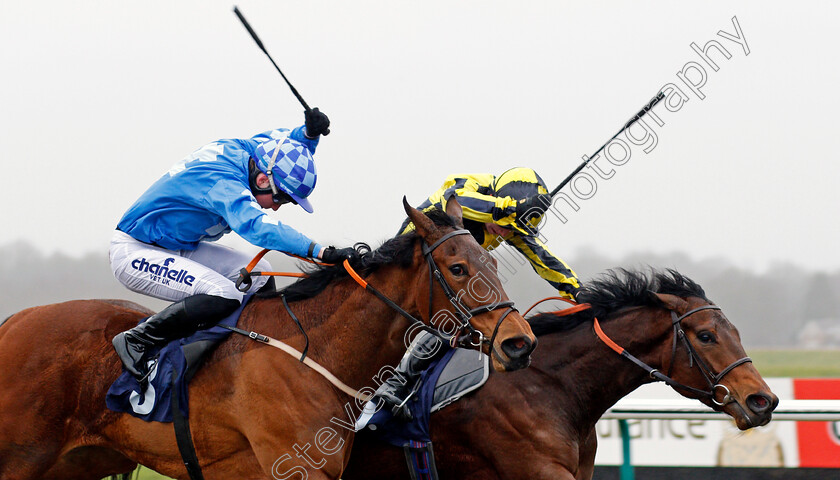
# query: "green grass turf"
[[797, 363], [146, 474]]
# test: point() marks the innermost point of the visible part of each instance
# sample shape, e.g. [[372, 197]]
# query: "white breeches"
[[176, 274]]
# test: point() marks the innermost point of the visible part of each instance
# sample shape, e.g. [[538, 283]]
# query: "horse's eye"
[[706, 337], [458, 270]]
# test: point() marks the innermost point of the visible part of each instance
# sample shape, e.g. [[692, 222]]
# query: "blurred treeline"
[[770, 308]]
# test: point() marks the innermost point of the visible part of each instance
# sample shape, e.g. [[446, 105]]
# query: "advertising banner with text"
[[709, 443]]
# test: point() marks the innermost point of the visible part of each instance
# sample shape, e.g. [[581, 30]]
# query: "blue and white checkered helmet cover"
[[294, 168]]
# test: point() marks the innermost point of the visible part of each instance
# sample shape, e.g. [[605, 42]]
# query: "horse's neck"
[[592, 376], [351, 332]]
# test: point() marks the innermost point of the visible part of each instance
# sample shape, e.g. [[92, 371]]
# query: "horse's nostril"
[[760, 403], [517, 347]]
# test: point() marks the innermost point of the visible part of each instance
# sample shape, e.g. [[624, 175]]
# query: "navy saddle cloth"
[[455, 374], [173, 367]]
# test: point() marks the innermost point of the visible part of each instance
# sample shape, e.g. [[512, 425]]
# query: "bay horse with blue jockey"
[[255, 412]]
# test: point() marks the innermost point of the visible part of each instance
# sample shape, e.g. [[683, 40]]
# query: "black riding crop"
[[627, 125], [260, 44]]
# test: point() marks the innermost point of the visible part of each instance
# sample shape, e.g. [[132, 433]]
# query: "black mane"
[[615, 290], [396, 251]]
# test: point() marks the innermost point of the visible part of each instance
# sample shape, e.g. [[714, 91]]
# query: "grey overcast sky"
[[100, 98]]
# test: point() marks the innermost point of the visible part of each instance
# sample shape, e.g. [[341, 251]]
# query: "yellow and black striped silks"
[[485, 199]]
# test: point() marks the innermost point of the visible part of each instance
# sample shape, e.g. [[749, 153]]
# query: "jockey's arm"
[[235, 203], [547, 265], [475, 205]]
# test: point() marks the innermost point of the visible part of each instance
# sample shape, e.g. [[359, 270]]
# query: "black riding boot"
[[179, 320], [396, 389]]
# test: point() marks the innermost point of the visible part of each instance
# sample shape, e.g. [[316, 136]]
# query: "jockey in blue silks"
[[163, 243]]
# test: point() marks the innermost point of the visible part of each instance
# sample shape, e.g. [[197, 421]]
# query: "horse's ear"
[[672, 302], [422, 224], [453, 209]]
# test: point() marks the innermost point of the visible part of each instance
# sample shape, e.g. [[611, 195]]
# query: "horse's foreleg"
[[301, 427], [586, 464], [82, 463], [306, 458], [28, 447], [89, 463], [551, 472], [19, 466]]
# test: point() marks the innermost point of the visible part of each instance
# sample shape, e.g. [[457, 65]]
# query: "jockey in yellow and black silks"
[[493, 209], [507, 208]]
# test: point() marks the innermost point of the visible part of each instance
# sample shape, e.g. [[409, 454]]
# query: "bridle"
[[466, 334], [464, 313], [713, 380]]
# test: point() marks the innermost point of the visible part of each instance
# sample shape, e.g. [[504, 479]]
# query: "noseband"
[[466, 333], [713, 380]]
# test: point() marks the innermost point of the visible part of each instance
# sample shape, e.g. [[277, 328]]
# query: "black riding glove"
[[316, 123], [531, 206], [337, 255]]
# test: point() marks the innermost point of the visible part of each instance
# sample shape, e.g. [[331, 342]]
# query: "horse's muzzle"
[[762, 405], [518, 350]]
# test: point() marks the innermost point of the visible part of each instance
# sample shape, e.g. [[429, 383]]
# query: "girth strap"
[[183, 437], [420, 457]]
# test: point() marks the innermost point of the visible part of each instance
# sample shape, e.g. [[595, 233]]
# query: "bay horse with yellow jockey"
[[539, 423], [251, 407]]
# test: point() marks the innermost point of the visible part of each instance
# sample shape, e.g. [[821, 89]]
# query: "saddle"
[[171, 369], [457, 373], [467, 370]]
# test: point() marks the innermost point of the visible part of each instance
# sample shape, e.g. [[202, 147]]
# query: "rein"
[[464, 313], [576, 307], [712, 380], [243, 283], [244, 280]]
